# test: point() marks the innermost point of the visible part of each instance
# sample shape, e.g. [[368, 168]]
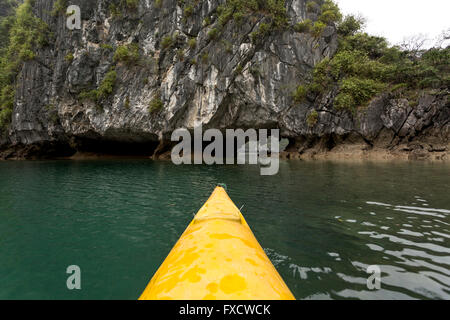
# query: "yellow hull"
[[217, 257]]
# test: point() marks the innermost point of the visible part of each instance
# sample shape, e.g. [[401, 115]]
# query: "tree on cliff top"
[[366, 65]]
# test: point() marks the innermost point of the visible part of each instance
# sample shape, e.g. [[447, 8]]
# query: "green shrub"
[[69, 57], [132, 4], [5, 118], [263, 30], [158, 3], [126, 104], [192, 43], [59, 7], [6, 24], [375, 47], [399, 87], [115, 10], [356, 63], [106, 47], [432, 70], [6, 106], [358, 77], [117, 7], [318, 28], [188, 11], [238, 17], [180, 54], [225, 13], [167, 42], [104, 90], [128, 54], [356, 92], [355, 71], [90, 95], [345, 101], [156, 104], [273, 10], [312, 118], [107, 85], [26, 55], [206, 22], [312, 6], [321, 78], [330, 13], [299, 94], [350, 26], [7, 97], [228, 46], [213, 33], [304, 26]]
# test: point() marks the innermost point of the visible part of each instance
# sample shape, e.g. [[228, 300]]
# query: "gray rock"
[[230, 82]]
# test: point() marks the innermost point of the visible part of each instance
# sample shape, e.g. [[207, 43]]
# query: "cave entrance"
[[144, 148]]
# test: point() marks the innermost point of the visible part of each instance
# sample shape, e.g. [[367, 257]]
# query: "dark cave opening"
[[144, 148]]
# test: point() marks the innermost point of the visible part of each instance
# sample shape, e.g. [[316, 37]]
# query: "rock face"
[[225, 82], [388, 128]]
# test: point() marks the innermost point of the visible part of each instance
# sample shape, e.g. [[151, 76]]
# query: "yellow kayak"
[[217, 258]]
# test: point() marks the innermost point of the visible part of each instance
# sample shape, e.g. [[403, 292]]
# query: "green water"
[[320, 223]]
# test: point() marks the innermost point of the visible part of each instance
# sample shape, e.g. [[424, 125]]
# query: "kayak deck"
[[217, 257]]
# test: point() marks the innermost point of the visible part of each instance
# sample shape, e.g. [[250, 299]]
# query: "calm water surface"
[[320, 223]]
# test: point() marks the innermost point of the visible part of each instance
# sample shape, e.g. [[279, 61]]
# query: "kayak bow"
[[217, 257]]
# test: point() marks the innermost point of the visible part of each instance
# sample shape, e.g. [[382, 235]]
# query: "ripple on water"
[[427, 258]]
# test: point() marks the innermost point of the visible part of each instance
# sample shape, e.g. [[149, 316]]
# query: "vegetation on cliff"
[[22, 33], [366, 65], [117, 7], [128, 54], [104, 90], [363, 66], [59, 7], [237, 10]]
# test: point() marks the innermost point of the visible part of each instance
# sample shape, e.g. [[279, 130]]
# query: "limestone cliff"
[[183, 65]]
